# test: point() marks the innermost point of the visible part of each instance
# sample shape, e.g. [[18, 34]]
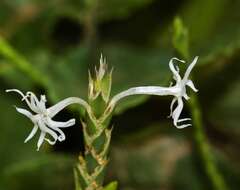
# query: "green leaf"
[[111, 186], [76, 180], [106, 84], [180, 38], [20, 62], [216, 32], [203, 26]]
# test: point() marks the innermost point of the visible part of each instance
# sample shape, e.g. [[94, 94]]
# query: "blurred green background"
[[48, 46]]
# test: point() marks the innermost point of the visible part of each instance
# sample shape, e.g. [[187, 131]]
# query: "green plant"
[[181, 45], [90, 170]]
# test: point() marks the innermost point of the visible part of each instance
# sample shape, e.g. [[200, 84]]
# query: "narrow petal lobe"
[[33, 132]]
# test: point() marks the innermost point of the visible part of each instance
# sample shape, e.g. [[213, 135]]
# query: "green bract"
[[89, 172]]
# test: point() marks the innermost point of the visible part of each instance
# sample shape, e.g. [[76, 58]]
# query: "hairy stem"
[[97, 136]]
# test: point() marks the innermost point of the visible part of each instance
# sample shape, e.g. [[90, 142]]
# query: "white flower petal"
[[62, 136], [176, 114], [33, 132], [191, 85], [34, 102], [174, 70], [51, 142], [177, 111], [40, 140], [183, 126], [171, 106], [185, 119], [42, 103], [58, 124], [186, 96], [45, 129], [189, 69], [171, 84], [55, 125], [25, 98], [25, 112], [17, 91]]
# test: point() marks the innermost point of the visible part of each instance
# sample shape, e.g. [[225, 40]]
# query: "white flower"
[[42, 117], [178, 91]]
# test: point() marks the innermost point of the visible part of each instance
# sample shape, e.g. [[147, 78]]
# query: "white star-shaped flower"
[[42, 118], [178, 91]]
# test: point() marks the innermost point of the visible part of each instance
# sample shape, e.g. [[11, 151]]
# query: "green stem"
[[181, 45], [92, 165], [204, 148], [97, 135], [21, 63]]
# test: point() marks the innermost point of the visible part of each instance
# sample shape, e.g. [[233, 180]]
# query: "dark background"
[[48, 46]]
